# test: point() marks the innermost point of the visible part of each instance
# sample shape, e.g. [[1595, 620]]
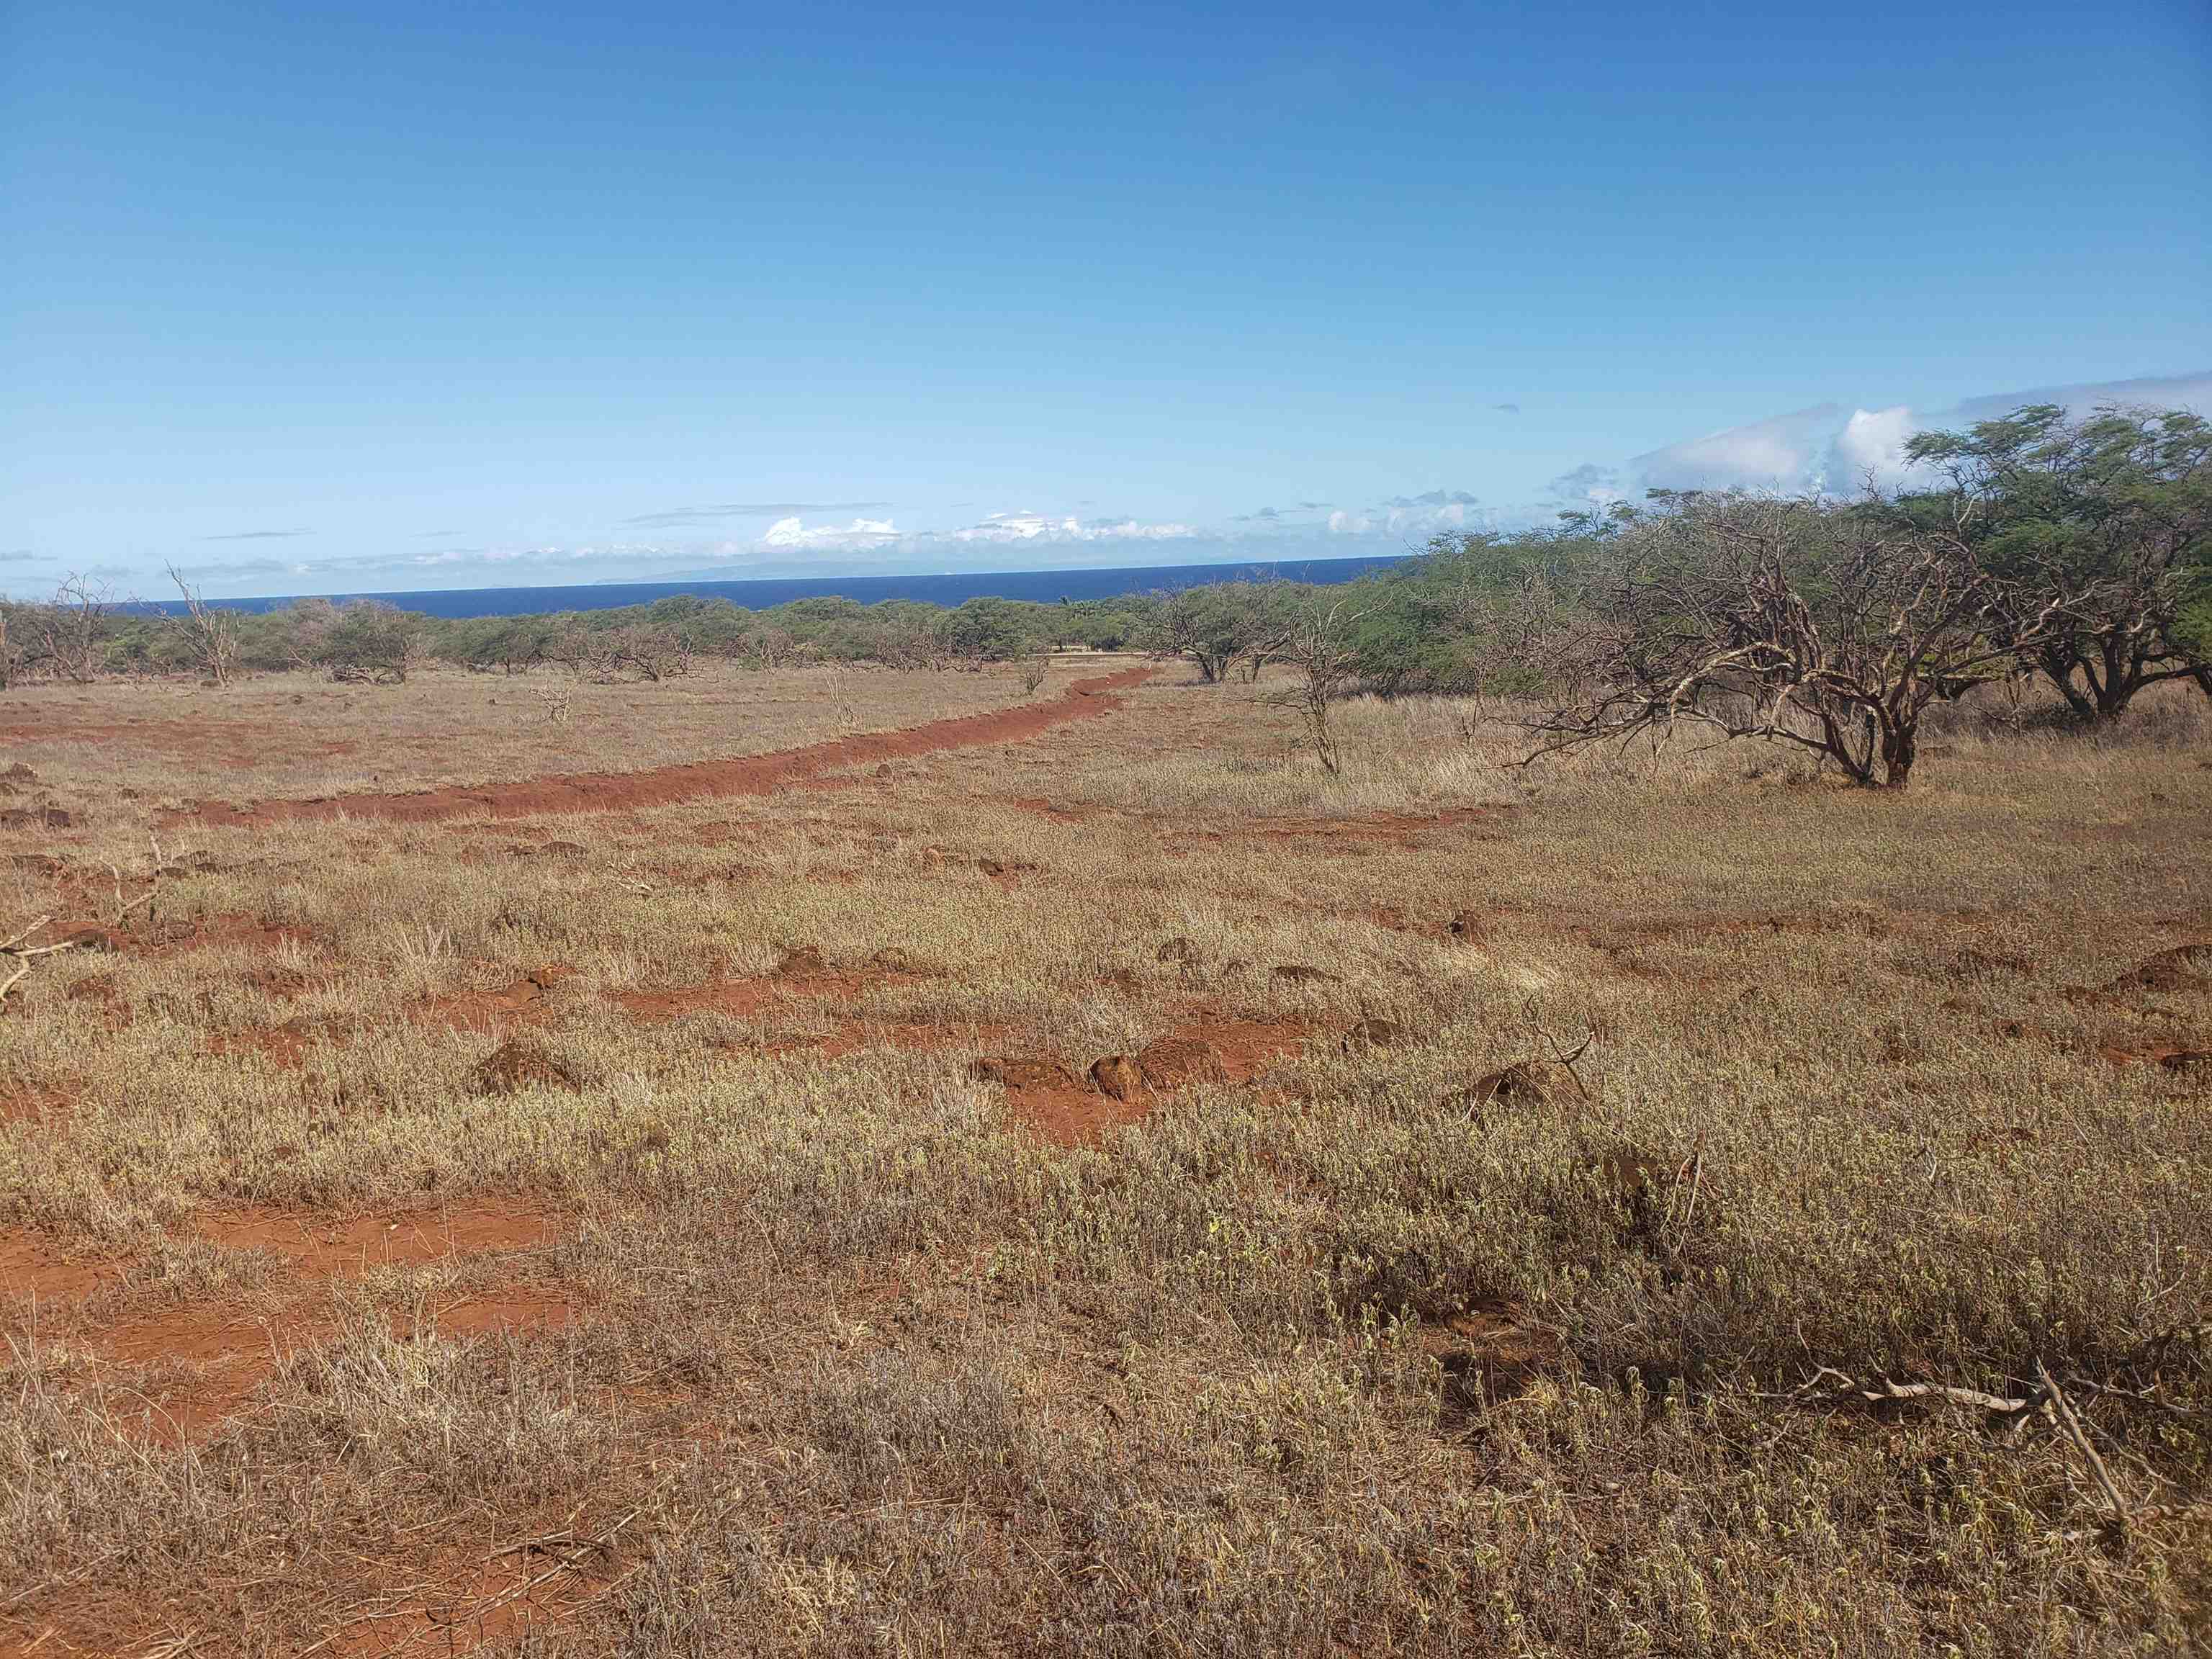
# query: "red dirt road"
[[747, 774]]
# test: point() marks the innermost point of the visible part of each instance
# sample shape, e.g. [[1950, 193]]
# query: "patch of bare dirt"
[[1488, 1354], [751, 774], [485, 1012], [197, 1365], [322, 1245], [32, 1266]]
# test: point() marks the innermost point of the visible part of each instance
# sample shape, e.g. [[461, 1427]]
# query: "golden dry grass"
[[296, 735], [757, 1323]]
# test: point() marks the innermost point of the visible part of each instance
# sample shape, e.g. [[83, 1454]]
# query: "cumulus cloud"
[[1411, 519], [258, 535], [793, 532]]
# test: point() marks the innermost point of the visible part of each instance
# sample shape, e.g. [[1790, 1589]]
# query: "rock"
[[515, 1066], [1299, 973], [1175, 1062], [883, 768], [1374, 1034], [1117, 1075]]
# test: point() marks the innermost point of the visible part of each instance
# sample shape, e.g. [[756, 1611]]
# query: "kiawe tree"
[[2110, 516], [1829, 628]]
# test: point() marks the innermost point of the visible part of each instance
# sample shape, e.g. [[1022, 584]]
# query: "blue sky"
[[402, 295]]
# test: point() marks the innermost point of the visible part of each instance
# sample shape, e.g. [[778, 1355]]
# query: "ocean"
[[1046, 586]]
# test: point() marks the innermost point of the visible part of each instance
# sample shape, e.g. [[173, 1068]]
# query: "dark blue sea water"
[[1047, 587]]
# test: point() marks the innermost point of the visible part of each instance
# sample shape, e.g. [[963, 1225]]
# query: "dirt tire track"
[[748, 774]]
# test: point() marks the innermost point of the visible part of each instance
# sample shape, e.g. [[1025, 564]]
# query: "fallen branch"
[[1887, 1390], [2072, 1425], [22, 951]]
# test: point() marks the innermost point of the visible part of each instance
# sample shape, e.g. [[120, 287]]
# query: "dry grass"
[[831, 1349], [298, 735]]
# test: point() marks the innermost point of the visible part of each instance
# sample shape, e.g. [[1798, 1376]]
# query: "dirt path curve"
[[744, 774]]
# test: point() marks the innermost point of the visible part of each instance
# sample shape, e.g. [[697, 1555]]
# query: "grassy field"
[[1666, 1205]]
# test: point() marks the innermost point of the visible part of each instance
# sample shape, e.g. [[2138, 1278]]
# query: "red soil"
[[319, 1247], [198, 1363], [750, 775], [1072, 1112]]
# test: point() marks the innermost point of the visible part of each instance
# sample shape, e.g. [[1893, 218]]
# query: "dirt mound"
[[515, 1066], [750, 775], [1117, 1076], [1175, 1062]]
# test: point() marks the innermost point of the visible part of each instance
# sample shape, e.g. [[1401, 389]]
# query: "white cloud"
[[786, 534], [1871, 447], [1829, 450], [1042, 527]]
